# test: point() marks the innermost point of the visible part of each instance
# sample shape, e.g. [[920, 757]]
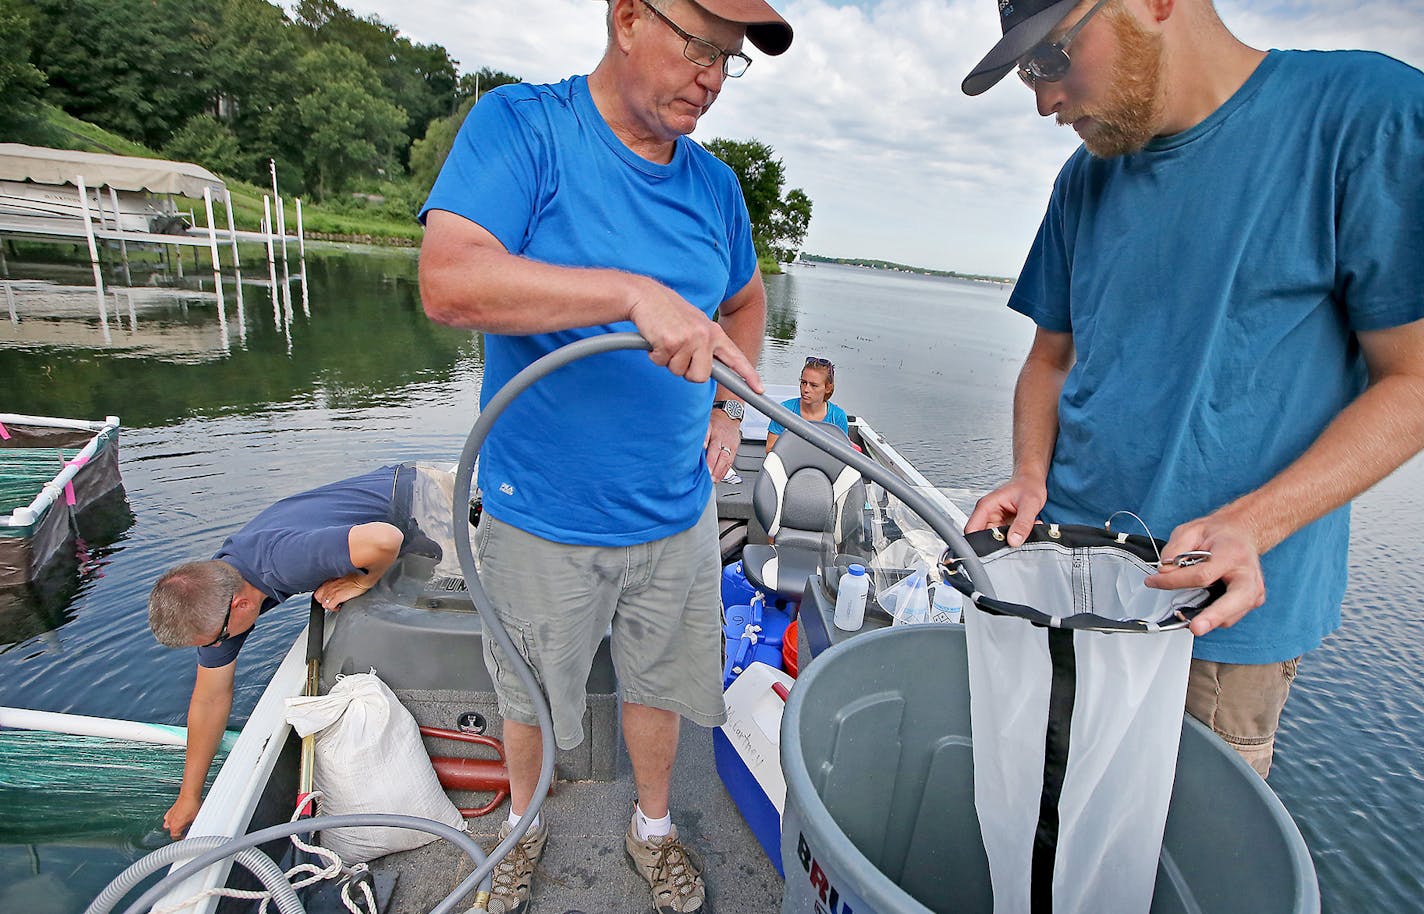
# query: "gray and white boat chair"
[[810, 503]]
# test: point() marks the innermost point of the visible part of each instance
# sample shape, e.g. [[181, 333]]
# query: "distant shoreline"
[[893, 267]]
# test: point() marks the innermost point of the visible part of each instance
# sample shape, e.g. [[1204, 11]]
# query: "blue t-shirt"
[[834, 416], [300, 543], [1213, 284], [608, 450]]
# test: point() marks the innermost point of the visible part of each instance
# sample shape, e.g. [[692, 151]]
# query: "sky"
[[865, 109]]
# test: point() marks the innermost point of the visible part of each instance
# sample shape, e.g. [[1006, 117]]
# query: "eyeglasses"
[[223, 635], [703, 52], [822, 363], [1049, 62]]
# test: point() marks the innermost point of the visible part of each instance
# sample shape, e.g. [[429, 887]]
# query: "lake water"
[[221, 417]]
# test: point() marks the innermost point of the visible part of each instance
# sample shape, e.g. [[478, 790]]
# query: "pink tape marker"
[[4, 432], [69, 498]]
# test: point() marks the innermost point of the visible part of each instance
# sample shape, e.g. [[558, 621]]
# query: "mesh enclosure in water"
[[1077, 679], [63, 787]]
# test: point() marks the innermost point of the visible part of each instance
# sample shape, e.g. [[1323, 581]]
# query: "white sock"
[[645, 828], [513, 820]]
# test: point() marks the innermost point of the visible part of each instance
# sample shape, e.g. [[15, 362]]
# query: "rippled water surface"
[[223, 414]]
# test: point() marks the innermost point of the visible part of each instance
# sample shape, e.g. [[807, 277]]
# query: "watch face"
[[732, 408]]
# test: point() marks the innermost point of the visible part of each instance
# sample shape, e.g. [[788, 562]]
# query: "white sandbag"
[[369, 759], [1075, 728]]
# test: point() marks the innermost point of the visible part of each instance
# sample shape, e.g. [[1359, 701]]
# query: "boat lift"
[[55, 195]]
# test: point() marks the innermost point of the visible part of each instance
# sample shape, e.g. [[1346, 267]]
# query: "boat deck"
[[584, 867]]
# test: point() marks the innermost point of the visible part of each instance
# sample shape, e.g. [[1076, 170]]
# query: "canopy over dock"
[[41, 165]]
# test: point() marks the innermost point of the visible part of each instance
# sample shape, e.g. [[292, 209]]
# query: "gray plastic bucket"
[[880, 817]]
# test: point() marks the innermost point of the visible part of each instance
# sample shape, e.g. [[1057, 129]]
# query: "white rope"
[[351, 905], [331, 870], [221, 892]]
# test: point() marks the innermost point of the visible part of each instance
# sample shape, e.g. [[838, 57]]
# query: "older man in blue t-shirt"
[[1227, 290], [571, 210]]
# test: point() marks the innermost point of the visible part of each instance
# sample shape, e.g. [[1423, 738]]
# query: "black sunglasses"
[[223, 635], [1049, 62]]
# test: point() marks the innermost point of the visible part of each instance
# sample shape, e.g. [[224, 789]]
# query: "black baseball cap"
[[1025, 24]]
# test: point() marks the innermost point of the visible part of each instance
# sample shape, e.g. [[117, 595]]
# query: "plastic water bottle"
[[850, 599], [947, 605]]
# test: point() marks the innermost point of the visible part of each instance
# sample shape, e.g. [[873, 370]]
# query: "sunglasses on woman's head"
[[821, 363]]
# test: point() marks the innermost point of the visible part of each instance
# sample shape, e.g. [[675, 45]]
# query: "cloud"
[[866, 112]]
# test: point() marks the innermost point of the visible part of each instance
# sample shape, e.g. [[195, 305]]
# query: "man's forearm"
[[1036, 417], [497, 292], [207, 720]]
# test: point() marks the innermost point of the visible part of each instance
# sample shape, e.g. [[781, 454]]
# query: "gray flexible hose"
[[320, 823], [938, 520], [256, 862]]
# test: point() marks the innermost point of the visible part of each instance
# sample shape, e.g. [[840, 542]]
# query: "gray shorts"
[[662, 601]]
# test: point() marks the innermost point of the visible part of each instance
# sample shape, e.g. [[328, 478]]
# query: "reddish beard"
[[1127, 117]]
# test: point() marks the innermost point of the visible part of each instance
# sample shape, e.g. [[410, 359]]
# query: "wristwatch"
[[733, 408]]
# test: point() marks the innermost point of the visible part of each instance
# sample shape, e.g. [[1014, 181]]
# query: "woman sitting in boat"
[[336, 540], [818, 382]]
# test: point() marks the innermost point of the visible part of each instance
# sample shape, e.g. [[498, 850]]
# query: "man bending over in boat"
[[1230, 334], [336, 540], [568, 211]]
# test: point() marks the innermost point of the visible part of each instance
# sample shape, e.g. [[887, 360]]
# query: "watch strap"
[[736, 409]]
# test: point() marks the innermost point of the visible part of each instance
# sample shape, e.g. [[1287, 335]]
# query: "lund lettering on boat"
[[828, 900]]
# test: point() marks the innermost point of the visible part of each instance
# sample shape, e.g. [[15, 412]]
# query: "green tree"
[[204, 140], [253, 52], [789, 222], [476, 84], [350, 130], [779, 221], [21, 82], [420, 78], [428, 154], [131, 66]]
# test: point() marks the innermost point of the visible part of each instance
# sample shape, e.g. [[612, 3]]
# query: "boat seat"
[[810, 503]]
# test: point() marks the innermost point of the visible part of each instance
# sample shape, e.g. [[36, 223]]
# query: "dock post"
[[301, 237], [286, 272], [217, 264], [271, 259], [93, 250], [119, 227], [231, 228], [302, 255], [10, 301], [236, 262]]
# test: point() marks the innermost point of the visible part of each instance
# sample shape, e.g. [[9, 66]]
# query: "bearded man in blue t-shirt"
[[1229, 297], [567, 211]]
